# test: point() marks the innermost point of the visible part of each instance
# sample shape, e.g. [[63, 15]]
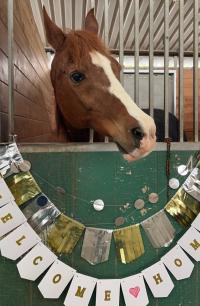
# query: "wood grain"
[[34, 102]]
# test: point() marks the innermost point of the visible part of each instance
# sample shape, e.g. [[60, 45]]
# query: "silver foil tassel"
[[40, 212], [192, 184], [96, 245], [9, 154], [159, 230]]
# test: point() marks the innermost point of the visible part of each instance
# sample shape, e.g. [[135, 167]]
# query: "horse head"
[[88, 92]]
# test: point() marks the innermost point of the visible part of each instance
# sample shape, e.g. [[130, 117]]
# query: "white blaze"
[[116, 89]]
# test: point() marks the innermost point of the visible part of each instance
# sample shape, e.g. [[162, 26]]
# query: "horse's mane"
[[80, 43]]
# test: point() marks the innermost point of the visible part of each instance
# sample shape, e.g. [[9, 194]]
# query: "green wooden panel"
[[105, 175]]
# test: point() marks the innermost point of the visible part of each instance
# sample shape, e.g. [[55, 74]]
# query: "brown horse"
[[88, 93]]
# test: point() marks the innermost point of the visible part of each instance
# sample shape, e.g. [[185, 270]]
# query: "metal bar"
[[73, 15], [106, 22], [151, 74], [91, 136], [181, 71], [195, 71], [106, 139], [136, 57], [121, 39], [10, 72], [97, 147], [142, 52], [166, 66], [92, 4]]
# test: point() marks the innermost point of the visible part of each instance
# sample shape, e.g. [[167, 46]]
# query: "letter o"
[[57, 278], [178, 262]]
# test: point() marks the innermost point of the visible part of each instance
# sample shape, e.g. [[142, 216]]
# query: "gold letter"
[[178, 262], [107, 295], [56, 278], [6, 218], [20, 239], [157, 279], [80, 292], [195, 244], [37, 259]]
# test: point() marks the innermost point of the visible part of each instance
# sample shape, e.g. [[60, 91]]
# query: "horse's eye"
[[77, 77]]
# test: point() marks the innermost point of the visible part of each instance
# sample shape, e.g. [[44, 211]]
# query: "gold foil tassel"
[[183, 208], [23, 187], [64, 234], [129, 243]]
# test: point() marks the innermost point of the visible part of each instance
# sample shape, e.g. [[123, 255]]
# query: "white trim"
[[98, 147]]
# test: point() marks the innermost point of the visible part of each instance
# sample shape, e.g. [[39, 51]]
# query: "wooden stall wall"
[[188, 102], [34, 104]]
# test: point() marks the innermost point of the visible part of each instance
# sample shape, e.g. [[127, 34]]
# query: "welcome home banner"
[[157, 277]]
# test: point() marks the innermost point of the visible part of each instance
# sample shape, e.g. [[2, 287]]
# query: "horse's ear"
[[91, 23], [55, 35]]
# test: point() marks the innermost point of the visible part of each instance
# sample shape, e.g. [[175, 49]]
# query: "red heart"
[[134, 291]]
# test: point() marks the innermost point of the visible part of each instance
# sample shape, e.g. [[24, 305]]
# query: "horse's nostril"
[[138, 133]]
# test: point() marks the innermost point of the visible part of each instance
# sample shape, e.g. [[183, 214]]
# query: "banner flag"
[[178, 263], [196, 223], [35, 262], [10, 217], [63, 235], [9, 155], [183, 208], [158, 280], [134, 290], [56, 280], [40, 212], [107, 293], [190, 242], [192, 184], [80, 290], [96, 245], [18, 242], [5, 194], [23, 186], [129, 243], [159, 230]]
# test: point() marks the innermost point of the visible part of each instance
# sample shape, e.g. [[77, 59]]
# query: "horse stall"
[[87, 215]]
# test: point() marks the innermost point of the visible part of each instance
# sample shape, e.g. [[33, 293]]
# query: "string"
[[55, 188]]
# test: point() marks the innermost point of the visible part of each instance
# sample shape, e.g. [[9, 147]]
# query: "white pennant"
[[55, 280], [5, 194], [108, 291], [196, 222], [18, 242], [178, 263], [10, 217], [190, 242], [158, 280], [134, 290], [80, 290], [35, 262]]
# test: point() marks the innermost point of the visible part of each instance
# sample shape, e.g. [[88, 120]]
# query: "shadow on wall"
[[159, 117]]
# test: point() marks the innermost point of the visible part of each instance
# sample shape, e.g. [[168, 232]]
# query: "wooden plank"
[[24, 46], [22, 105], [188, 102], [25, 41], [24, 86]]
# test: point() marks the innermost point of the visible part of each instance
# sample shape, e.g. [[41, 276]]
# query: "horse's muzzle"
[[146, 145]]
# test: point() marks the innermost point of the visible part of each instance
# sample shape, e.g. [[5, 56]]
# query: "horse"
[[85, 77]]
